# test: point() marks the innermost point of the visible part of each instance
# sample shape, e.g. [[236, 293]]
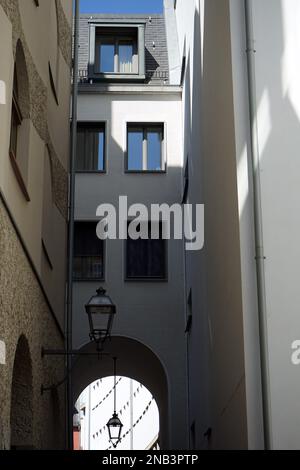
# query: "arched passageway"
[[21, 415], [136, 361], [136, 409]]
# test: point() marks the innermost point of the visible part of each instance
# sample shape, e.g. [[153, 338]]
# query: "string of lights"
[[106, 396], [103, 429]]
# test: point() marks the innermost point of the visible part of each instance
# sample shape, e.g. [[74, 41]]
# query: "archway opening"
[[134, 361], [135, 405], [21, 415]]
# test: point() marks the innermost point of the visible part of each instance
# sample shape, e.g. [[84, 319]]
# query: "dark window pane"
[[90, 150], [80, 151], [135, 150], [88, 252], [15, 85], [107, 58], [156, 259], [125, 58], [94, 153], [14, 131], [146, 259], [154, 151]]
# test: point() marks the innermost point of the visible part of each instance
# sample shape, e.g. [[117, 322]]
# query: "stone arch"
[[136, 361], [22, 79], [21, 413]]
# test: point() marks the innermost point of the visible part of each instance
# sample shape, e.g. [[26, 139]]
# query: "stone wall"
[[38, 90], [24, 312]]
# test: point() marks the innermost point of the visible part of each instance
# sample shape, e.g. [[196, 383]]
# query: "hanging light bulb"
[[114, 425]]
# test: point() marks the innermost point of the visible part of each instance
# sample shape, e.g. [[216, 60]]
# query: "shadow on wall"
[[198, 344], [223, 271], [277, 118]]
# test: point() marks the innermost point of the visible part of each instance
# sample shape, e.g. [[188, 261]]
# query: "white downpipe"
[[258, 221]]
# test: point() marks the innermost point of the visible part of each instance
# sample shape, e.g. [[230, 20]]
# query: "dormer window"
[[117, 52]]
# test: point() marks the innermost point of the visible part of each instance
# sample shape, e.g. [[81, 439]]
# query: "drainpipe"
[[71, 227], [258, 223]]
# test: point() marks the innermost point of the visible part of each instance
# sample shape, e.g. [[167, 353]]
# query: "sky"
[[121, 6]]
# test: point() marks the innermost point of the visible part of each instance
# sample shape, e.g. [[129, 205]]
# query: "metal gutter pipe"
[[258, 222]]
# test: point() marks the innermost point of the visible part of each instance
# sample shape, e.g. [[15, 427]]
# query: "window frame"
[[138, 42], [116, 41], [15, 112], [186, 183], [148, 279], [16, 115], [102, 125], [147, 127], [90, 279]]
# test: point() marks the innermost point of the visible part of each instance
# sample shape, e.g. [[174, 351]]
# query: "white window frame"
[[145, 128], [116, 41]]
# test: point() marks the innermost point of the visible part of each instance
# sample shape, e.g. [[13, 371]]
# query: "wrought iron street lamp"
[[114, 425], [101, 311]]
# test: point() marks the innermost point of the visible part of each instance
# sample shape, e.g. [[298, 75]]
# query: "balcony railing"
[[155, 75]]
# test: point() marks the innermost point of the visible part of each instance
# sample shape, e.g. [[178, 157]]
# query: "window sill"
[[18, 175], [123, 77], [90, 172], [146, 279], [98, 279], [146, 172]]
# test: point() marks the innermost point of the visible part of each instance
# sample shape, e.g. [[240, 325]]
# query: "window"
[[20, 121], [189, 312], [90, 154], [185, 195], [52, 84], [146, 259], [88, 253], [183, 70], [16, 118], [117, 52], [145, 148]]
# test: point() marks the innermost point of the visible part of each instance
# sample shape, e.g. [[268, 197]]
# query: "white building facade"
[[214, 97], [130, 116], [241, 117]]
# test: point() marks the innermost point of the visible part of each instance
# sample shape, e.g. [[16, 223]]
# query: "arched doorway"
[[135, 361], [135, 406], [21, 414]]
